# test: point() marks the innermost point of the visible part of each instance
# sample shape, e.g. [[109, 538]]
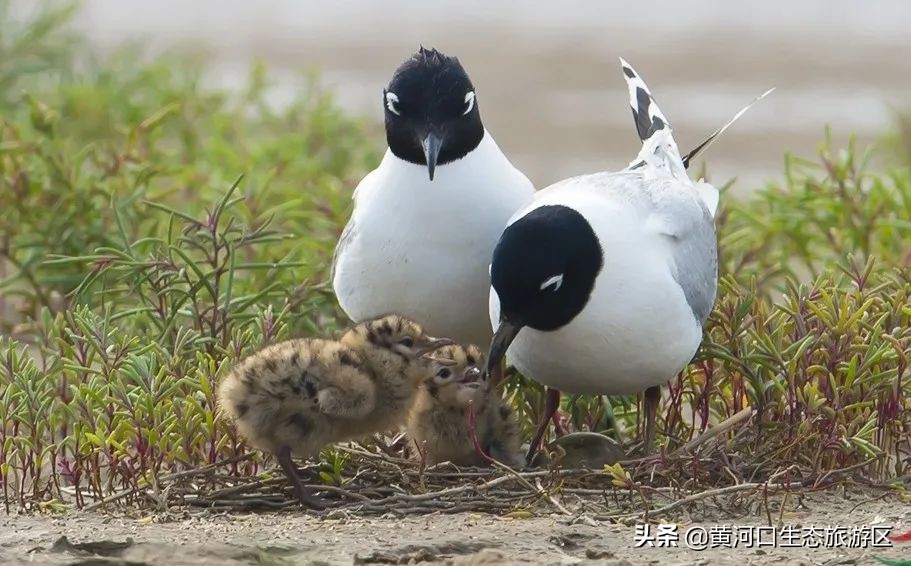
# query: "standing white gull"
[[602, 284], [426, 220]]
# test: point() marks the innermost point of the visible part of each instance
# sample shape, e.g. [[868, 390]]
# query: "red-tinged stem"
[[559, 428], [473, 433]]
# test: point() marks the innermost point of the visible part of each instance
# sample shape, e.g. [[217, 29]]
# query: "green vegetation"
[[154, 231]]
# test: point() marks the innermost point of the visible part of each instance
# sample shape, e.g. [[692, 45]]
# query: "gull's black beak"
[[502, 338], [432, 144]]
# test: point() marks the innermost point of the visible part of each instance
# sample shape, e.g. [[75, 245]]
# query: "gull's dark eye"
[[444, 373], [407, 341]]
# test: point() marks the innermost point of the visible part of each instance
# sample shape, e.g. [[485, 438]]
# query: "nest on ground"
[[708, 474]]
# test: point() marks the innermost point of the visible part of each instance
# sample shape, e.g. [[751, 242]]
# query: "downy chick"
[[438, 422], [295, 397]]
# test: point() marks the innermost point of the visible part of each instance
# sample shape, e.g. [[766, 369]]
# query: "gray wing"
[[696, 260], [694, 253]]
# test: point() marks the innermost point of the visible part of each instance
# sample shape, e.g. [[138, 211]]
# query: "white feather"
[[422, 247], [469, 100], [391, 100], [556, 282]]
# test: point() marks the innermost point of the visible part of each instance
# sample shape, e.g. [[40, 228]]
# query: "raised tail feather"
[[707, 192], [688, 158]]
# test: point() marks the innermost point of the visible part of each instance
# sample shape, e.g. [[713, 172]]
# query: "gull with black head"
[[602, 284], [425, 221]]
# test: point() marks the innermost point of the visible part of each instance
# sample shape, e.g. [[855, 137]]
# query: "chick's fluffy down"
[[299, 394]]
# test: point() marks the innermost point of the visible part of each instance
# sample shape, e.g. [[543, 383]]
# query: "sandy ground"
[[296, 538]]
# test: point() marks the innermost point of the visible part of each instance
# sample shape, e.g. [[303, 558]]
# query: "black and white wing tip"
[[659, 150], [648, 117]]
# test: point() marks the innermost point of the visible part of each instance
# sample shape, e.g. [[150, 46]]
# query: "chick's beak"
[[432, 144], [472, 375], [430, 344], [502, 338]]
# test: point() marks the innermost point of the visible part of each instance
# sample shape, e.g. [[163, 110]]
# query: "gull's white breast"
[[421, 248]]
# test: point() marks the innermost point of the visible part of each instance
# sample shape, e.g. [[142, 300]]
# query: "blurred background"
[[547, 75], [137, 266]]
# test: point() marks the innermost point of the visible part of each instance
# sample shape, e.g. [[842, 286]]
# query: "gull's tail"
[[659, 150]]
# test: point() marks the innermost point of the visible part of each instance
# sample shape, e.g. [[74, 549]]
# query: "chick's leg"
[[551, 403], [652, 398], [305, 495]]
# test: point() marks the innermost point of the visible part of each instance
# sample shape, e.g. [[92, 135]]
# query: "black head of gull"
[[543, 272], [432, 115]]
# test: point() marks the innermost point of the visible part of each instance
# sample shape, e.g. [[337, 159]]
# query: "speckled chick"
[[295, 397], [438, 422]]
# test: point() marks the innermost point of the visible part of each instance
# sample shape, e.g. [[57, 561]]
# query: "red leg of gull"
[[652, 398], [551, 403]]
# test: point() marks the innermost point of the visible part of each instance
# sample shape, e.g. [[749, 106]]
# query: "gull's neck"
[[487, 153]]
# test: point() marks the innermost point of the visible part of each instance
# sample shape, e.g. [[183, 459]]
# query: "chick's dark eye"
[[407, 341], [444, 373]]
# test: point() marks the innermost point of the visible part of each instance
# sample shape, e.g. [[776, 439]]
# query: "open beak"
[[472, 375], [502, 338], [431, 144], [431, 344]]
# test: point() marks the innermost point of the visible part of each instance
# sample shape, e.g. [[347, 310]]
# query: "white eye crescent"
[[556, 281], [391, 101], [469, 101]]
